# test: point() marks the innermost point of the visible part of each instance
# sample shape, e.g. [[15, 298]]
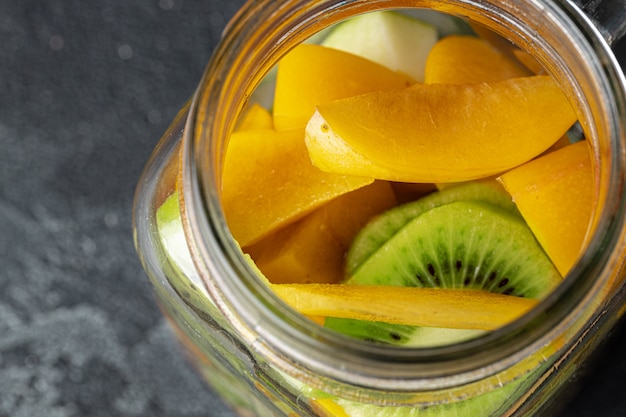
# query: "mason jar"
[[264, 358]]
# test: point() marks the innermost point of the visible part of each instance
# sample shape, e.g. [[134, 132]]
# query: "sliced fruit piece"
[[263, 94], [398, 334], [436, 307], [383, 227], [459, 245], [465, 59], [255, 117], [556, 195], [395, 40], [312, 74], [439, 132], [269, 182], [313, 249], [463, 245]]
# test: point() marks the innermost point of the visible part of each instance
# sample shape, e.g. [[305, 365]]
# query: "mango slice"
[[312, 74], [313, 249], [269, 182], [555, 194], [465, 59], [415, 306], [439, 132]]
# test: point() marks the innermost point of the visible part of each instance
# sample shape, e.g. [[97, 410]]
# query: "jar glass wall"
[[265, 358]]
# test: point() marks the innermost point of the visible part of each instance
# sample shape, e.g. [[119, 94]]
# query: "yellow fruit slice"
[[312, 74], [255, 117], [556, 194], [439, 132], [313, 249], [269, 182], [415, 306], [465, 59], [328, 408]]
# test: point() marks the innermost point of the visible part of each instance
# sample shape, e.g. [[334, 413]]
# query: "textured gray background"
[[87, 88]]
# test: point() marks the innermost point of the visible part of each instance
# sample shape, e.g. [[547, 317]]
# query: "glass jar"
[[267, 360]]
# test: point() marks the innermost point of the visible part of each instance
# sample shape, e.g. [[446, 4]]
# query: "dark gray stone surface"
[[86, 90]]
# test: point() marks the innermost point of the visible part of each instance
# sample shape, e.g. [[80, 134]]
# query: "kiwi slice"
[[397, 334], [464, 244], [383, 227]]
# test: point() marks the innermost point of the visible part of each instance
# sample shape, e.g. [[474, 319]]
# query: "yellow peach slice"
[[415, 306], [269, 181], [439, 132], [313, 249], [555, 195], [465, 59], [312, 74]]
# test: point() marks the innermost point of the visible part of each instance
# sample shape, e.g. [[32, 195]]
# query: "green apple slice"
[[389, 38]]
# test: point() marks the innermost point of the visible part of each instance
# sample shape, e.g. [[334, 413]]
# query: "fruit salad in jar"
[[440, 164], [405, 180]]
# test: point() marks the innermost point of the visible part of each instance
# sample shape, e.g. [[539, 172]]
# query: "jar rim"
[[268, 322]]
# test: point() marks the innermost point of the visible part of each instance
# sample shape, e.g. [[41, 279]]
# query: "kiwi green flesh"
[[383, 227], [464, 244], [401, 335]]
